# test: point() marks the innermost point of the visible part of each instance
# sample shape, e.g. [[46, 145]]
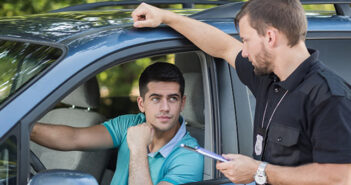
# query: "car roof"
[[57, 27], [64, 27]]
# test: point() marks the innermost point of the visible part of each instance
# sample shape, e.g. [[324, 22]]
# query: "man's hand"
[[147, 16], [240, 169], [140, 136]]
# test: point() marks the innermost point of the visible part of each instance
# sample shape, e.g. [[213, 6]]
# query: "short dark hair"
[[161, 72], [288, 16]]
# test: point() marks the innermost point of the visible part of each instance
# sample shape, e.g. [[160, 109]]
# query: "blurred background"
[[24, 7]]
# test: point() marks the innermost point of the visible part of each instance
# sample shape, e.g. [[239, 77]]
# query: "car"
[[78, 66]]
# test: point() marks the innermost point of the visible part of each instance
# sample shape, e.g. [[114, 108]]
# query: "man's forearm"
[[310, 174], [208, 38], [59, 137], [139, 168]]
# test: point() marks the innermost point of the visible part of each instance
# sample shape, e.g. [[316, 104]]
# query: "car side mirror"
[[62, 177]]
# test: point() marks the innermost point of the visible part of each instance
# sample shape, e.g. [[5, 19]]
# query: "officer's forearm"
[[310, 174], [208, 38]]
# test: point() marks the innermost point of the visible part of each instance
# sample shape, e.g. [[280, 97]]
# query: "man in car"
[[302, 126], [148, 143]]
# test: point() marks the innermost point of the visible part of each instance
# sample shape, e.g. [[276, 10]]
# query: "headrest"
[[87, 95], [194, 107]]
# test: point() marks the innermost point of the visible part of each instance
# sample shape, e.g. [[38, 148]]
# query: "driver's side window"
[[8, 161], [111, 93]]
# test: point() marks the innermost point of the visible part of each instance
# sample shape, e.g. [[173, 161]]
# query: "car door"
[[178, 47]]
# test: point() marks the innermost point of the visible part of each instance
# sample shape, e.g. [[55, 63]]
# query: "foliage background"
[[24, 7]]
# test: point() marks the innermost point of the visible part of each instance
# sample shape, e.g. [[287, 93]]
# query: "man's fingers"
[[140, 14], [144, 23], [230, 157], [146, 16], [223, 165]]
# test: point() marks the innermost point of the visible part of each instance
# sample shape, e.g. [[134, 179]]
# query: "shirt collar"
[[166, 149], [300, 72]]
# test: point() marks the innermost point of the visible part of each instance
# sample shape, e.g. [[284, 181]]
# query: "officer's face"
[[254, 48]]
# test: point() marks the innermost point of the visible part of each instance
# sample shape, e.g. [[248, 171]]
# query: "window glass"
[[8, 161], [335, 53], [20, 62]]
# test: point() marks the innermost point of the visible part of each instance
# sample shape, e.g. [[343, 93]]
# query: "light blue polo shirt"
[[171, 163]]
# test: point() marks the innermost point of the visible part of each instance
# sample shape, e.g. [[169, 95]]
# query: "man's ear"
[[183, 103], [272, 37], [140, 101]]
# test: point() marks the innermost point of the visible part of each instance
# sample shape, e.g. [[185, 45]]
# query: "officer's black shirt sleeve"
[[331, 138]]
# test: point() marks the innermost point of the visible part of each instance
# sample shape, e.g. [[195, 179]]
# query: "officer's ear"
[[272, 37]]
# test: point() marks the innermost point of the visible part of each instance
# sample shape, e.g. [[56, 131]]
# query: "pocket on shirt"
[[283, 135], [282, 144]]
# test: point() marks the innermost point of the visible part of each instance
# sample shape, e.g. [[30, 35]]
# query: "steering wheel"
[[35, 163]]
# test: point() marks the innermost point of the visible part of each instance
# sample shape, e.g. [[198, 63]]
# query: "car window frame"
[[118, 57]]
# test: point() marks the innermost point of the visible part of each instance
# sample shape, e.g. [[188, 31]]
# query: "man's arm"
[[138, 139], [241, 169], [66, 138], [208, 38]]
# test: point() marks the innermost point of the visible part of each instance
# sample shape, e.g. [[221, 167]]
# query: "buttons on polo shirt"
[[279, 139]]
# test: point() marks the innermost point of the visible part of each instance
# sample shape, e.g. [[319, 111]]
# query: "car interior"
[[85, 106]]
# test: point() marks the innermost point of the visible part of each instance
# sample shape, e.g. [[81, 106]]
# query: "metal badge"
[[258, 145]]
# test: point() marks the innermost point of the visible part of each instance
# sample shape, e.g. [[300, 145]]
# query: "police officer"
[[302, 126]]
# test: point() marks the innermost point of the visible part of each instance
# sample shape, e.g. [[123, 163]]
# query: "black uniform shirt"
[[313, 121]]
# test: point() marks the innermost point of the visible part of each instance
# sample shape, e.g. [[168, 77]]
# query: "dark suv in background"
[[52, 67]]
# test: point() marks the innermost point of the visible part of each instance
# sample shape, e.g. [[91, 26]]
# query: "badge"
[[258, 145]]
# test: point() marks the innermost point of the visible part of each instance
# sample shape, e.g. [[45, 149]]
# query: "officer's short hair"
[[288, 16]]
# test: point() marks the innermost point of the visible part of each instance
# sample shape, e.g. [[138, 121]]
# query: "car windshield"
[[20, 62]]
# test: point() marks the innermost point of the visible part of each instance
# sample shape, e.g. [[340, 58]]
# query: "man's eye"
[[173, 99], [155, 99]]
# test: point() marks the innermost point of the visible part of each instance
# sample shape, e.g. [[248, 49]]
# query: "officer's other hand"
[[146, 15], [239, 169]]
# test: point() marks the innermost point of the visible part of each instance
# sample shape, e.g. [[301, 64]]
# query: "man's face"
[[254, 48], [162, 105]]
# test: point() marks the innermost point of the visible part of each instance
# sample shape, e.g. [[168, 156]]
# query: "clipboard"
[[205, 152]]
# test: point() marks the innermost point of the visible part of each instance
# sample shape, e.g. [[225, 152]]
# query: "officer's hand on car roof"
[[146, 15]]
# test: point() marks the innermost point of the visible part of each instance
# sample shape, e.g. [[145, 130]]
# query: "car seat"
[[193, 112], [82, 101]]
